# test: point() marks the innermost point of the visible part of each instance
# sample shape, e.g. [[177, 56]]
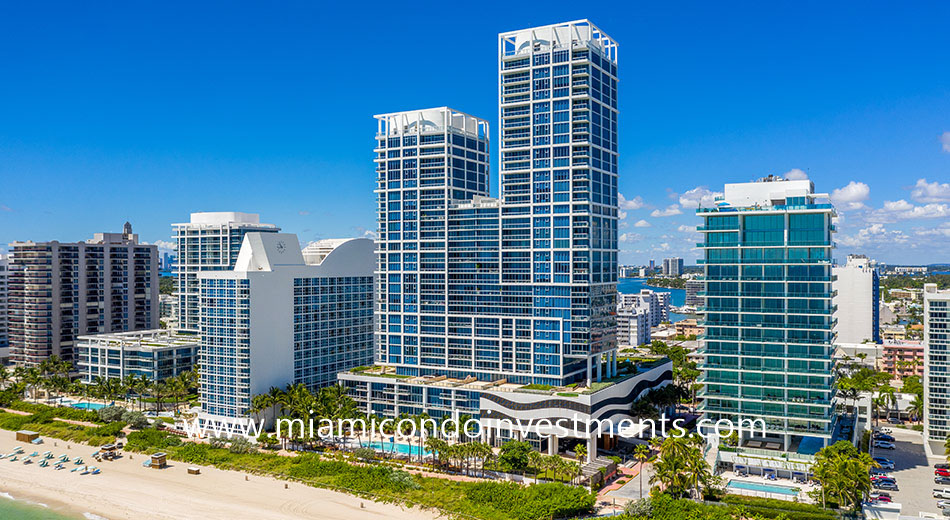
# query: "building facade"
[[693, 288], [655, 303], [275, 320], [672, 267], [155, 354], [210, 241], [633, 326], [936, 367], [858, 292], [768, 345], [4, 338], [59, 291], [903, 358]]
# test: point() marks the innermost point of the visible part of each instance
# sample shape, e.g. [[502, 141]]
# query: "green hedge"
[[772, 508]]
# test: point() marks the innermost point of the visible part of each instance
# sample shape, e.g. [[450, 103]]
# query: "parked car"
[[895, 420], [943, 504], [881, 499], [942, 493], [941, 466], [885, 484], [881, 476], [884, 445], [883, 437], [942, 472], [883, 430], [884, 463], [942, 480]]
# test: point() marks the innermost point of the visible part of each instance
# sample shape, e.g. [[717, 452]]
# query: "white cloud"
[[164, 245], [795, 175], [631, 237], [662, 247], [941, 230], [636, 203], [852, 196], [303, 213], [945, 141], [930, 191], [5, 208], [873, 234], [903, 210], [668, 212], [622, 214], [642, 223], [362, 232], [699, 196], [686, 229]]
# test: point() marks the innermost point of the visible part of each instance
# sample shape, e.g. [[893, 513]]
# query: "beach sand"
[[126, 490]]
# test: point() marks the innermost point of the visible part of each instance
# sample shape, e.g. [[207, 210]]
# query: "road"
[[914, 473]]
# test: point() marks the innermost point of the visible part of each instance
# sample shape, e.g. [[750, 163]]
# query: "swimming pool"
[[87, 406], [766, 488], [402, 449]]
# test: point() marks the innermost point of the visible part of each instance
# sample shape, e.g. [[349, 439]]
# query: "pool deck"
[[803, 489]]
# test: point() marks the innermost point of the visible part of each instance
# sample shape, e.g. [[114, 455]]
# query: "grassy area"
[[482, 500], [48, 426]]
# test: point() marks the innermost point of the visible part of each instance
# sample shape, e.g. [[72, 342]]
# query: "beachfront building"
[[275, 320], [936, 367], [768, 345], [633, 326], [672, 267], [155, 354], [481, 301], [58, 291], [4, 340], [210, 241], [857, 288]]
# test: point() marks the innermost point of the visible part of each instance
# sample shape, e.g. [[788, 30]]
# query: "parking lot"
[[914, 473]]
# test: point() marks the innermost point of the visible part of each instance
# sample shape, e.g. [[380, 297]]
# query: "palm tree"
[[580, 451], [5, 376], [681, 466], [437, 446], [536, 460], [916, 408], [641, 452]]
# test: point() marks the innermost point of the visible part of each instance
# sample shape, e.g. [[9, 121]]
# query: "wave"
[[93, 516], [8, 496]]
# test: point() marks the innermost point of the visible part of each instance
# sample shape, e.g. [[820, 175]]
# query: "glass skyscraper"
[[522, 287], [768, 347]]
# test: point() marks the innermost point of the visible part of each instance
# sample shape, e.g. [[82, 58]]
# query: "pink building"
[[903, 358]]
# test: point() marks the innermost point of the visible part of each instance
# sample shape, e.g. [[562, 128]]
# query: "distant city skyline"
[[210, 113]]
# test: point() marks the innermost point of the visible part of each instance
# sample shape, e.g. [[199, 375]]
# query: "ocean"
[[633, 285], [24, 510]]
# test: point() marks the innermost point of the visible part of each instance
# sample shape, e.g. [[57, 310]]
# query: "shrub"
[[642, 507], [135, 420], [242, 445], [111, 413], [365, 453]]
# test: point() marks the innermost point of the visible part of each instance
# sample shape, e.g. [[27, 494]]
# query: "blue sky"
[[148, 112]]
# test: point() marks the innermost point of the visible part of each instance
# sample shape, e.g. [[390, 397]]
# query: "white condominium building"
[[936, 367], [655, 303], [155, 354], [209, 242], [274, 320], [672, 266], [857, 318], [633, 326], [58, 291]]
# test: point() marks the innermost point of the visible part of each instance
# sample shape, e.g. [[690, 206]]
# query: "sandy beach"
[[126, 490]]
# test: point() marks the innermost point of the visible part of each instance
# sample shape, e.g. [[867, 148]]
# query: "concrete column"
[[788, 442], [591, 448], [614, 363], [552, 445], [589, 370], [600, 365]]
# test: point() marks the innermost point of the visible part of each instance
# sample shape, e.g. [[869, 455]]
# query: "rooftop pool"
[[765, 488]]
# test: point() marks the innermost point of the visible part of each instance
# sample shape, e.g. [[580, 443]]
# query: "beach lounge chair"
[[78, 461], [47, 453], [28, 461], [37, 441], [147, 464], [34, 454], [94, 470], [18, 449], [43, 463], [13, 458], [85, 470], [77, 468]]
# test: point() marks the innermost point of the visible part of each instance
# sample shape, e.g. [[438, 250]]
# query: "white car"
[[943, 504], [884, 445], [887, 431], [884, 463]]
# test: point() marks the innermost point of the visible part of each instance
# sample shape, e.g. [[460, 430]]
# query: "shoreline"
[[127, 490]]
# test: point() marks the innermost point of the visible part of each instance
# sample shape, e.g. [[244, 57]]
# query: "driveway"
[[914, 473]]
